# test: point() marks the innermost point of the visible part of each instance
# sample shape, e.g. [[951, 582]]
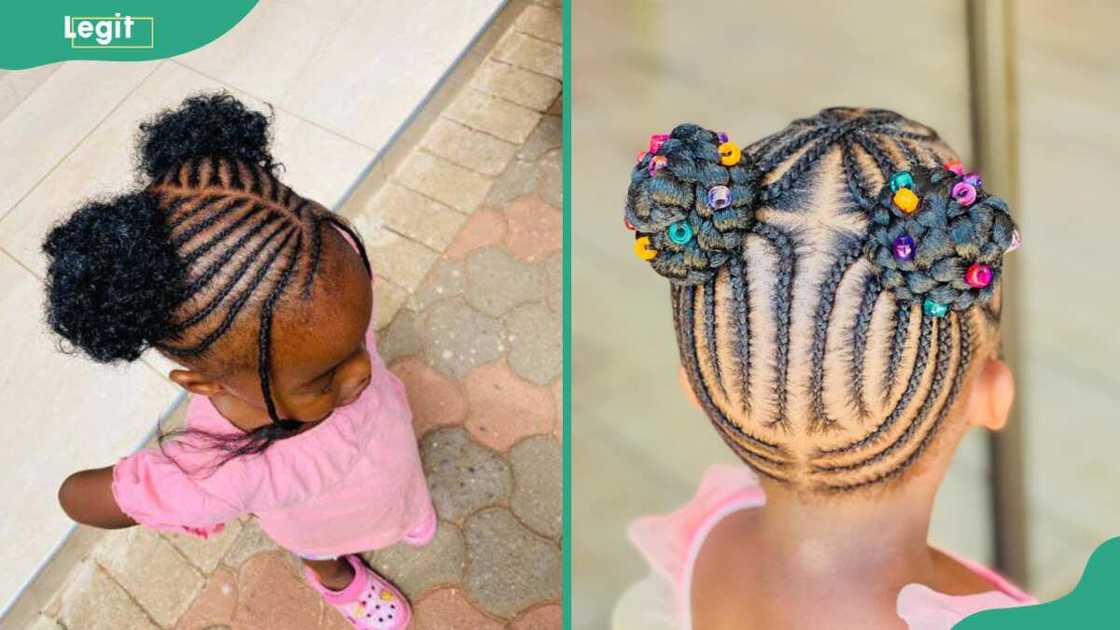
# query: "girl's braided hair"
[[212, 235], [841, 271]]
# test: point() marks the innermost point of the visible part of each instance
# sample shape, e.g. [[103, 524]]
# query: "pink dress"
[[671, 544], [352, 483]]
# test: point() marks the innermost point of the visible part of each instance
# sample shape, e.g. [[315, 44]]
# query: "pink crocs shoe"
[[424, 534], [369, 602]]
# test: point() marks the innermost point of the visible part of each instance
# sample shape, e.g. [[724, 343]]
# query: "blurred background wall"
[[640, 67]]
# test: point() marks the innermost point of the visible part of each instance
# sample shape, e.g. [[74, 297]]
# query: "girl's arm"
[[87, 497]]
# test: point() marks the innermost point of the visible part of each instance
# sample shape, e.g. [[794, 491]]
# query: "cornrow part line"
[[232, 204], [963, 362], [782, 301], [203, 203], [905, 149], [858, 186], [885, 162], [871, 291], [894, 132], [903, 403], [852, 252], [235, 308], [240, 195], [740, 291], [778, 151], [894, 351], [710, 333], [251, 211], [767, 467], [941, 368], [242, 268], [264, 340], [211, 271], [683, 301], [809, 158]]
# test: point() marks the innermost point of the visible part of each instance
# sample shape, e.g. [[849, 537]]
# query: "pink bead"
[[954, 166], [1016, 241], [964, 194], [641, 154], [657, 163], [978, 275], [656, 140]]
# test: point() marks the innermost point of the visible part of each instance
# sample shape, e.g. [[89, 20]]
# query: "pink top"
[[351, 483], [672, 542]]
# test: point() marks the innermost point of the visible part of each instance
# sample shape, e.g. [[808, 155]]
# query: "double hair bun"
[[934, 234]]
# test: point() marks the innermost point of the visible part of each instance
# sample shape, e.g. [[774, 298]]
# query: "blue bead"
[[680, 232], [901, 179], [935, 309]]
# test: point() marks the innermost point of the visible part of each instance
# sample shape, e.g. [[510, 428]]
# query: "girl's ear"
[[687, 387], [989, 401], [196, 382]]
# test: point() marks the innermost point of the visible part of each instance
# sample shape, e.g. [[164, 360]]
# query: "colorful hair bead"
[[722, 136], [978, 275], [642, 248], [964, 193], [974, 179], [680, 232], [629, 225], [1016, 241], [657, 163], [656, 140], [934, 309], [901, 179], [719, 197], [954, 166], [903, 247], [906, 200], [641, 154], [729, 154]]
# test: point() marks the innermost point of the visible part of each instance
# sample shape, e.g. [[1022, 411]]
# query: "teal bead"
[[680, 232], [934, 309], [901, 179]]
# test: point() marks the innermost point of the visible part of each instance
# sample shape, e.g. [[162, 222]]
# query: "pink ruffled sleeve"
[[155, 492]]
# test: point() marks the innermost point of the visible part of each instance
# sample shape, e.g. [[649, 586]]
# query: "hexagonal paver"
[[416, 569], [272, 597], [548, 135], [435, 399], [205, 554], [214, 605], [401, 338], [457, 338], [483, 229], [462, 475], [250, 541], [547, 617], [534, 228], [510, 568], [534, 338], [504, 407], [537, 491], [446, 279], [496, 282], [554, 277], [448, 609], [550, 178]]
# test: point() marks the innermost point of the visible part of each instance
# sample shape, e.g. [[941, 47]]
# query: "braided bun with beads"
[[670, 203], [829, 353]]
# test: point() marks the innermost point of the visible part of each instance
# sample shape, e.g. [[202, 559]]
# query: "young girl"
[[835, 296], [265, 298]]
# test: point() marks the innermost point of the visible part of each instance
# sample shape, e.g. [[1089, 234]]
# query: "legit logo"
[[110, 32]]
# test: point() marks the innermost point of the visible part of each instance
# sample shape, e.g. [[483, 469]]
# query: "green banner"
[[39, 33], [1091, 604]]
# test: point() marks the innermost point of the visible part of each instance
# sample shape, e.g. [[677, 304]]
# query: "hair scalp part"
[[811, 353]]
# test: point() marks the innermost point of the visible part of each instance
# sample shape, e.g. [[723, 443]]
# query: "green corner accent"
[[38, 30], [1091, 604]]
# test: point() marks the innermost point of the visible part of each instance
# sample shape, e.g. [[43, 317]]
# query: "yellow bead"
[[729, 154], [643, 250], [906, 200]]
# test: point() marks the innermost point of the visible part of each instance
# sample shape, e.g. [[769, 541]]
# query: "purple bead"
[[974, 179], [903, 247], [964, 193], [719, 197], [722, 137]]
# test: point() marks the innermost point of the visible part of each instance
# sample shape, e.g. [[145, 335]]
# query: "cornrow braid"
[[839, 262]]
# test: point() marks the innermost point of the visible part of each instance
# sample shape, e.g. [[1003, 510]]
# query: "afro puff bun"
[[204, 124], [112, 277]]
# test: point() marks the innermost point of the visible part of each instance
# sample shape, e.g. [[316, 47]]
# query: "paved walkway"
[[466, 240]]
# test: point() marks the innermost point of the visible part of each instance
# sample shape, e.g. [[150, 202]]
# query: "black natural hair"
[[212, 227]]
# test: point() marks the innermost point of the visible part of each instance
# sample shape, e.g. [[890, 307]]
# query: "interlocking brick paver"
[[250, 541], [416, 570], [393, 256], [537, 488], [435, 399], [469, 147], [535, 228], [554, 277], [93, 601], [214, 605], [547, 617], [541, 23], [483, 229], [445, 280], [505, 408], [149, 567], [548, 135], [497, 282], [420, 218], [444, 181], [271, 596], [550, 178], [495, 116], [510, 568], [401, 337], [457, 338], [448, 609], [462, 475], [530, 53], [206, 554], [518, 85], [387, 300], [534, 337]]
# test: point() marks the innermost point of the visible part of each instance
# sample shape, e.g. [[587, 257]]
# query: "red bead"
[[978, 275]]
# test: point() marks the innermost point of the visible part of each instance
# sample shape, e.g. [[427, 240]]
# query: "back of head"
[[831, 286]]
